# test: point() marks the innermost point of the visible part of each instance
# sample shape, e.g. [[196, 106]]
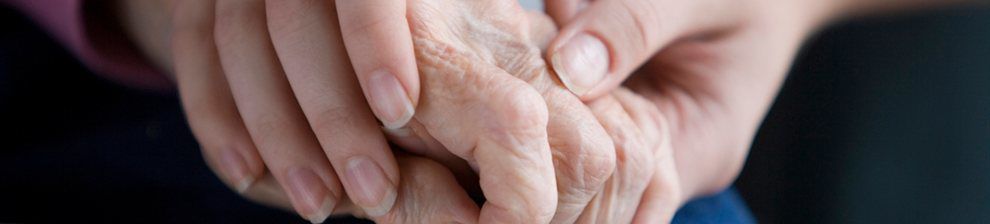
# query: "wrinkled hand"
[[509, 118], [712, 81], [489, 99], [713, 84]]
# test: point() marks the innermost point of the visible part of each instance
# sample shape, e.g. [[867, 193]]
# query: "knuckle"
[[518, 113], [650, 121], [331, 119], [589, 165], [597, 169], [267, 129], [584, 154], [633, 154], [526, 62]]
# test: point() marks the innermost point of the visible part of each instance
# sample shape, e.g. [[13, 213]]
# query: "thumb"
[[602, 45], [564, 10]]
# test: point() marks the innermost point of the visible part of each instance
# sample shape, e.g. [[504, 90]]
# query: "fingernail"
[[236, 169], [309, 195], [389, 100], [372, 189], [581, 63]]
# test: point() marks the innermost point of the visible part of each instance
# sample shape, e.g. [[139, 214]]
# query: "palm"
[[714, 92]]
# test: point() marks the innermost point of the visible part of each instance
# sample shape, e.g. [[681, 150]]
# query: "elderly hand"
[[487, 95], [487, 86], [473, 107]]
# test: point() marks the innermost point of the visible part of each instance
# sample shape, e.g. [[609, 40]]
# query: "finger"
[[378, 42], [308, 42], [210, 108], [619, 198], [430, 194], [415, 139], [663, 196], [206, 98], [273, 119], [497, 123], [583, 152], [562, 11], [541, 29], [603, 44]]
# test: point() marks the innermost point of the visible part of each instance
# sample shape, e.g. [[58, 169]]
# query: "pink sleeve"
[[101, 46]]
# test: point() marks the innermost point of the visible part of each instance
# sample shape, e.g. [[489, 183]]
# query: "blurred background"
[[881, 120]]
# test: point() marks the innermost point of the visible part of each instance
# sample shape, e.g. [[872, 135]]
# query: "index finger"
[[378, 41]]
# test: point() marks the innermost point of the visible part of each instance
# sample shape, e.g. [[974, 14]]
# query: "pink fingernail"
[[581, 63], [309, 194], [234, 166], [372, 190], [389, 100]]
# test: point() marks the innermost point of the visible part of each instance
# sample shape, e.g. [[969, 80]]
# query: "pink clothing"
[[101, 46]]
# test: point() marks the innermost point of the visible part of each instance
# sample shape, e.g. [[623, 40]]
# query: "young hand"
[[263, 89]]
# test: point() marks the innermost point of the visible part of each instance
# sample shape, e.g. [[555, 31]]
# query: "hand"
[[711, 67], [471, 110], [264, 88], [604, 41], [200, 75], [584, 125], [261, 183]]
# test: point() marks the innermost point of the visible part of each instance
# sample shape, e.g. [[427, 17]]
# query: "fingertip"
[[309, 194], [581, 62], [389, 100], [321, 214], [244, 184], [630, 32], [369, 186], [386, 205], [379, 43]]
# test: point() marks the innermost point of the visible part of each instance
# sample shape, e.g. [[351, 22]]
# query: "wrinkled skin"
[[483, 79], [706, 92], [490, 105]]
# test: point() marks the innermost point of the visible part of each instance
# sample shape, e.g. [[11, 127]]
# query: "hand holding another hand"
[[509, 141], [268, 86], [486, 90]]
